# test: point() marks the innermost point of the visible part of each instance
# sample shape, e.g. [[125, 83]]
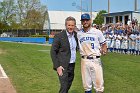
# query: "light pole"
[[91, 9], [81, 7], [135, 5], [87, 8], [108, 6]]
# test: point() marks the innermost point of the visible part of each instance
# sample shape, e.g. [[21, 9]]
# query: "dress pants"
[[67, 78]]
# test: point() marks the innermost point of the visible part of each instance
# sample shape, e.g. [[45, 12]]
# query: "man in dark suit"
[[63, 54]]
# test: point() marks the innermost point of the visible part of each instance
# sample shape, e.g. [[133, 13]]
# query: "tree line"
[[22, 14]]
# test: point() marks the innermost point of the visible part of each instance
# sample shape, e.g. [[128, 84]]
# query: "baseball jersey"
[[133, 39], [108, 41], [90, 42], [118, 42], [139, 42], [113, 37], [125, 42], [137, 47]]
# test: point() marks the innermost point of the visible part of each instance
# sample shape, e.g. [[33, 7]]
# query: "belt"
[[90, 57]]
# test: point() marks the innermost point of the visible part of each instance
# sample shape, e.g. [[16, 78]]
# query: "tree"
[[22, 14], [34, 19], [31, 13], [99, 20], [7, 11], [4, 26]]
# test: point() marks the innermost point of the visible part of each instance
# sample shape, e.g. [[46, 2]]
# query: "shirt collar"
[[87, 31], [69, 35]]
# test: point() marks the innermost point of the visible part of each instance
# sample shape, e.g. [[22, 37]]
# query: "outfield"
[[29, 68]]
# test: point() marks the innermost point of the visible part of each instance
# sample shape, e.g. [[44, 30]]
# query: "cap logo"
[[85, 16]]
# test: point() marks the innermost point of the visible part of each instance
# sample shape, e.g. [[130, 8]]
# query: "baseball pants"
[[92, 74]]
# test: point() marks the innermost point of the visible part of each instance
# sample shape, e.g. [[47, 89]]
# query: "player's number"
[[92, 45]]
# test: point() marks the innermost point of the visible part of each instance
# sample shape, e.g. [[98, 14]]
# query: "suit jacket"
[[60, 50]]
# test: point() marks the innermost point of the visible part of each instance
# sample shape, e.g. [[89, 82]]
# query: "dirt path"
[[5, 84]]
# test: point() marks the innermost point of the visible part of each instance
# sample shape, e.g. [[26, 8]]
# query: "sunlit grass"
[[30, 70]]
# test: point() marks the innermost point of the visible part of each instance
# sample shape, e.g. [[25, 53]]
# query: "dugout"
[[121, 17]]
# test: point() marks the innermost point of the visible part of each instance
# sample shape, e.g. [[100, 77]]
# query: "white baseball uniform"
[[125, 42], [137, 47], [108, 40], [113, 37], [91, 67], [118, 42], [133, 39]]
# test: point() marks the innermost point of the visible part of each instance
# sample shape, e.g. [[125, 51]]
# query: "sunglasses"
[[85, 20]]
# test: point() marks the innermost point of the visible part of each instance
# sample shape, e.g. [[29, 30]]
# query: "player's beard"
[[86, 26]]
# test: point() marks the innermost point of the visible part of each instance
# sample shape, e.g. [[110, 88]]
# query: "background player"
[[137, 47], [118, 43], [133, 42], [108, 41], [124, 43], [91, 43]]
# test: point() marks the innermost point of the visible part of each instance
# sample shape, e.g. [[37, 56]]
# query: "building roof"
[[120, 13], [57, 18]]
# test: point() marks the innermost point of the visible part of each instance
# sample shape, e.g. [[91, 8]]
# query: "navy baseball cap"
[[85, 16]]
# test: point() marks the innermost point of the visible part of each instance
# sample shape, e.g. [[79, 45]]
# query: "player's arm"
[[103, 44], [130, 37]]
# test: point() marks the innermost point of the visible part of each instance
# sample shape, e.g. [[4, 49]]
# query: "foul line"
[[3, 73]]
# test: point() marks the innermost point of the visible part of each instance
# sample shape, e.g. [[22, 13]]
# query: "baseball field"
[[29, 69]]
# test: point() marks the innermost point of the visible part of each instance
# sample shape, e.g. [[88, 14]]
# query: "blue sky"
[[97, 5]]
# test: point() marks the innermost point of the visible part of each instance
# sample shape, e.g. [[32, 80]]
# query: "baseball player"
[[112, 44], [139, 44], [133, 42], [91, 44], [129, 45], [137, 47], [118, 43], [108, 41], [125, 43]]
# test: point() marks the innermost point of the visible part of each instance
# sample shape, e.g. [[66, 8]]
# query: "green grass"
[[30, 70]]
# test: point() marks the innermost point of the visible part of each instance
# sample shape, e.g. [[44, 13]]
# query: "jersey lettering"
[[86, 39]]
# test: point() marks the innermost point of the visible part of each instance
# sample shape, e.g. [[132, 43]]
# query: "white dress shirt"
[[72, 43]]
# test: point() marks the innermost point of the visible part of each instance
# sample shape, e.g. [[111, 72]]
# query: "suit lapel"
[[75, 36], [66, 38]]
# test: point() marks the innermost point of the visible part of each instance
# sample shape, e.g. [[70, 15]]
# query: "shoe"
[[88, 92]]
